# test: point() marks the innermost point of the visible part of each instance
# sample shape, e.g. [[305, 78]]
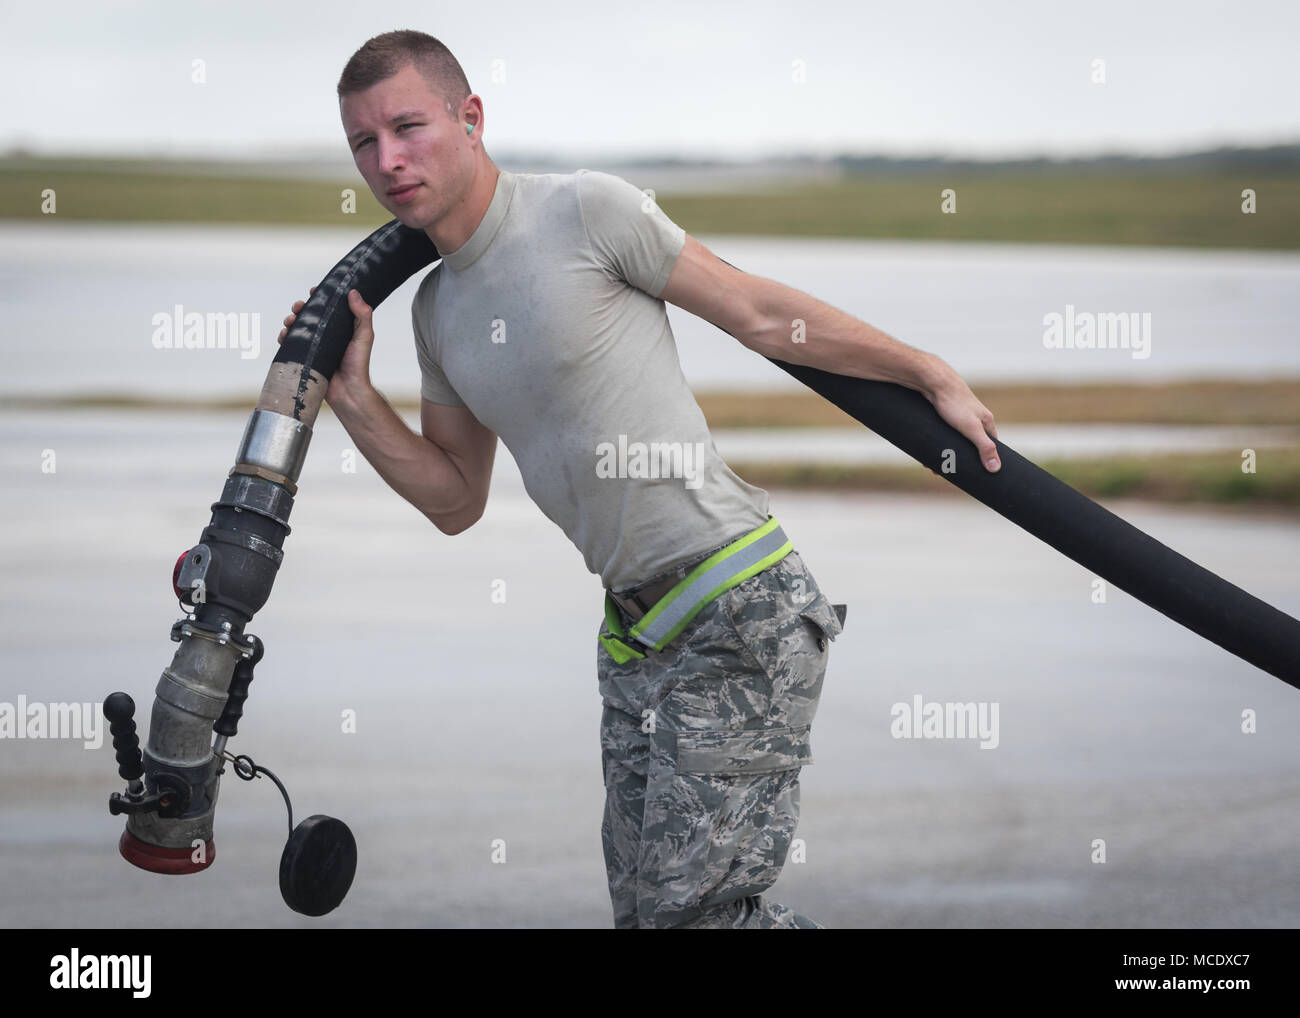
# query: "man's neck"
[[452, 231]]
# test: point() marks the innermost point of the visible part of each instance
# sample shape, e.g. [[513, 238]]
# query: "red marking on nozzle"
[[176, 576], [157, 859]]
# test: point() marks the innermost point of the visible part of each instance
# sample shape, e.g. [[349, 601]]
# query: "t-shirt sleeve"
[[629, 234], [434, 385]]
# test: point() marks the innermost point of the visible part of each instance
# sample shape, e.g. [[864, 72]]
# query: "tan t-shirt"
[[547, 324]]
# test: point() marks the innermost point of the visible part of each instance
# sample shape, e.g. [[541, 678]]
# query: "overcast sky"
[[695, 78]]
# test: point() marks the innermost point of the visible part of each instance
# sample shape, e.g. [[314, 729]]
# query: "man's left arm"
[[787, 324]]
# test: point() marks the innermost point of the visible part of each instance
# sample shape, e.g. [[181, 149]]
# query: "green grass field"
[[1198, 477], [85, 191], [1226, 402], [1193, 478], [1201, 209]]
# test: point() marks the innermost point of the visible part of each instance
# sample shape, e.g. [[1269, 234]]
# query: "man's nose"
[[391, 159]]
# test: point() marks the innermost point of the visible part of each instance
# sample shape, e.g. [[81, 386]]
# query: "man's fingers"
[[959, 408], [363, 330], [289, 319], [359, 307], [987, 450]]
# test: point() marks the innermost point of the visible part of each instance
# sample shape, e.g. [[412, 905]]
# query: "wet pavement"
[[477, 721]]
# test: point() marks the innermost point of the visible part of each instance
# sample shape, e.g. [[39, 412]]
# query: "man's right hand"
[[353, 373]]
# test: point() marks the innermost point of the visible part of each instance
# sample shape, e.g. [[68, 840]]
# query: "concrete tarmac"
[[476, 721]]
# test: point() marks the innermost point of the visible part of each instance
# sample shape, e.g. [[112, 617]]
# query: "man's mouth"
[[403, 194]]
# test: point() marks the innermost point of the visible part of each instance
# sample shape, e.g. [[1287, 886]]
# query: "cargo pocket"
[[735, 808], [822, 614], [762, 751]]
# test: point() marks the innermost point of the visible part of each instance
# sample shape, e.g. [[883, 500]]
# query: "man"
[[545, 324]]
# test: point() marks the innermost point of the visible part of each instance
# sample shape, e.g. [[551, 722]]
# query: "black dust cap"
[[318, 864]]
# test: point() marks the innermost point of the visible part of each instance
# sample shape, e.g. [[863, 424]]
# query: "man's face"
[[416, 159]]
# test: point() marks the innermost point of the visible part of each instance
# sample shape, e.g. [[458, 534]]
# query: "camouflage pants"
[[701, 747]]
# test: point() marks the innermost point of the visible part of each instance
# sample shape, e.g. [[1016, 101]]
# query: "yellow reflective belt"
[[744, 557]]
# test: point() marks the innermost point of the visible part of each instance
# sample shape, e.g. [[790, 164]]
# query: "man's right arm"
[[445, 473]]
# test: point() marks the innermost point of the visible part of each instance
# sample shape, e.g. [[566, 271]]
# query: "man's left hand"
[[957, 405]]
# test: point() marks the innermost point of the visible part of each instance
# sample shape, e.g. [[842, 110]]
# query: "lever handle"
[[228, 723], [119, 710]]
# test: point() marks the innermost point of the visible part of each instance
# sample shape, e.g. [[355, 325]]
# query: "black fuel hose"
[[1022, 492]]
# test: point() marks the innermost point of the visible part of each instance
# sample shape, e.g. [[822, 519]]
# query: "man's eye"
[[362, 143]]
